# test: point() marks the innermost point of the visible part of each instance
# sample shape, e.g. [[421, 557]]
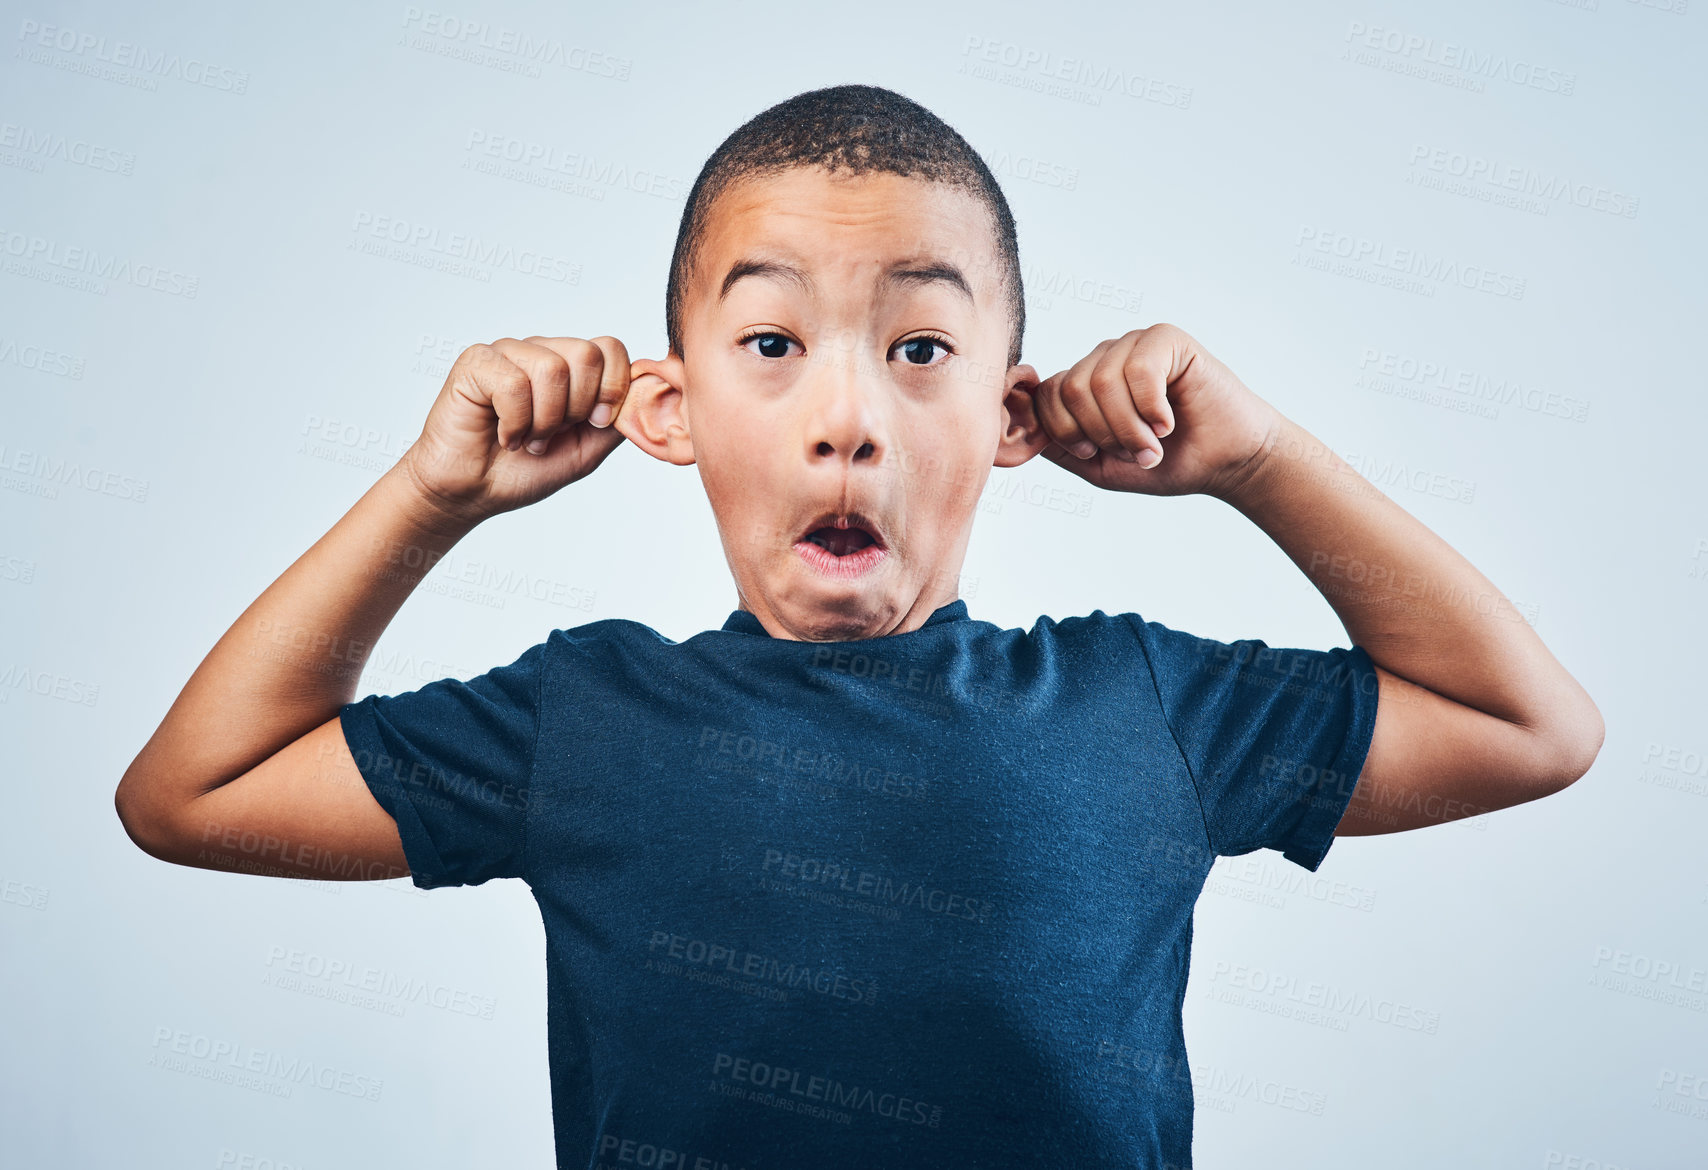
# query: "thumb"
[[572, 453], [1062, 457], [596, 443]]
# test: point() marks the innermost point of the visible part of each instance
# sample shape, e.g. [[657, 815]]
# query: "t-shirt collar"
[[743, 622]]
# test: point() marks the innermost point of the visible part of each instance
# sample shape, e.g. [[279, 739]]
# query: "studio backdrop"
[[240, 247]]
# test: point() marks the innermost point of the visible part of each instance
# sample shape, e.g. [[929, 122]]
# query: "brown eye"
[[921, 351], [771, 345]]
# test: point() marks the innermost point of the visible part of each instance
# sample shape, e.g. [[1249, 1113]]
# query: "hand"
[[515, 422], [1130, 392]]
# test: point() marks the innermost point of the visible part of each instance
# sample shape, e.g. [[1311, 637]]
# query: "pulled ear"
[[654, 414], [1023, 436]]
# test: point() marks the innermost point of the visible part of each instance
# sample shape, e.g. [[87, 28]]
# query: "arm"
[[249, 769], [253, 745], [1473, 712]]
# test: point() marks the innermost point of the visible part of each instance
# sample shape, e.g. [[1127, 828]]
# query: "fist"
[[1153, 412], [517, 420]]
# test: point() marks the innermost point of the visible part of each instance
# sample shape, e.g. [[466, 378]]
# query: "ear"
[[654, 414], [1023, 436]]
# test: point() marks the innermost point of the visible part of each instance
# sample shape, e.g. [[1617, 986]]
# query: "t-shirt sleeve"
[[1274, 738], [452, 762]]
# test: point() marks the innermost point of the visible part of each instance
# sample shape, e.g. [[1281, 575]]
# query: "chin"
[[835, 611]]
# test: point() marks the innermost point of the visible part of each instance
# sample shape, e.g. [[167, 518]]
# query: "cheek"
[[945, 478], [744, 485]]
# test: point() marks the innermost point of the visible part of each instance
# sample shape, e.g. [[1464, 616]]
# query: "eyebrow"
[[902, 274]]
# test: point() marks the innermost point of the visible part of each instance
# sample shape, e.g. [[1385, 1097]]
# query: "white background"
[[1560, 948]]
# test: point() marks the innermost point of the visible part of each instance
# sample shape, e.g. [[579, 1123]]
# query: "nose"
[[843, 420]]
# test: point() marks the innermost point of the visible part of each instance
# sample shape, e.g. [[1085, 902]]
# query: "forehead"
[[848, 226]]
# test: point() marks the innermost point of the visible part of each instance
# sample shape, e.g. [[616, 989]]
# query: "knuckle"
[[585, 373], [1136, 374], [553, 368], [1106, 383], [509, 379]]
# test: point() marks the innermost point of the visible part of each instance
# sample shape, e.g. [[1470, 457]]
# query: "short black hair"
[[852, 128]]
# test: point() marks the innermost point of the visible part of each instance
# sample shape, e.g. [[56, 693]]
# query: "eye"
[[772, 344], [918, 350]]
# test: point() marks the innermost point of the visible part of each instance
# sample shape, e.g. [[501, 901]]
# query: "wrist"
[[1246, 481], [427, 511]]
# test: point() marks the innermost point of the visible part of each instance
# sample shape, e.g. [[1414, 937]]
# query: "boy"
[[858, 879]]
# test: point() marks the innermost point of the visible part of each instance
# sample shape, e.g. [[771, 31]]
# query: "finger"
[[576, 451], [588, 366], [549, 374], [500, 383], [1081, 402], [1113, 383], [1057, 421], [1165, 352], [1091, 469], [613, 384]]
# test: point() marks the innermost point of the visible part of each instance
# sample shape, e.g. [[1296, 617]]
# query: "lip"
[[855, 564]]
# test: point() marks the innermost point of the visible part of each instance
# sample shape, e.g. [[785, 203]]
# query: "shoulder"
[[1127, 636], [605, 632], [1098, 641], [1097, 626]]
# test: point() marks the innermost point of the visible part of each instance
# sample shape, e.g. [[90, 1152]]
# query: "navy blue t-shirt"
[[922, 900]]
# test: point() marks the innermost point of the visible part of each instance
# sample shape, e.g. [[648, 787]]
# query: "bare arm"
[[1473, 712], [249, 765], [249, 770]]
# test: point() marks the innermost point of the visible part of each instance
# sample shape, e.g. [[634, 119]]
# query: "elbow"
[[1573, 749], [142, 828]]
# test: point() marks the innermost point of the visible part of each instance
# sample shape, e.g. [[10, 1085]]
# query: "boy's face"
[[845, 393]]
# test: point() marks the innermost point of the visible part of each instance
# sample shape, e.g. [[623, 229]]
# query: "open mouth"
[[842, 544]]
